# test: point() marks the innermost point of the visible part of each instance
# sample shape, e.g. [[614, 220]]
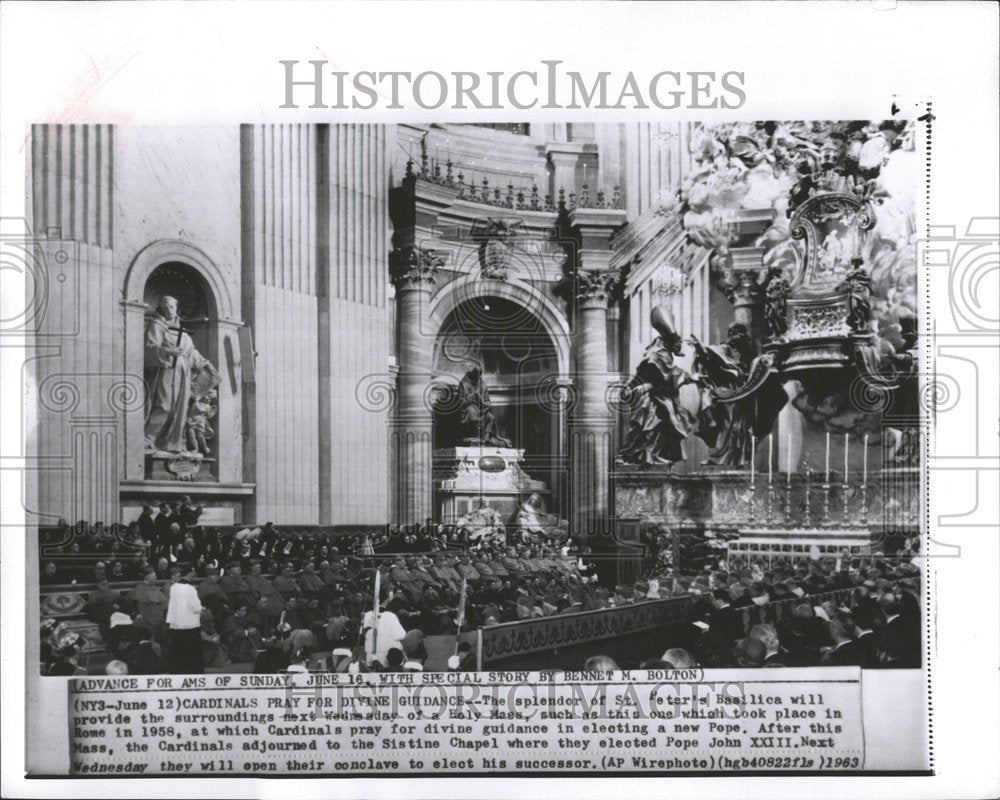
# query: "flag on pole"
[[378, 587], [461, 612], [461, 603]]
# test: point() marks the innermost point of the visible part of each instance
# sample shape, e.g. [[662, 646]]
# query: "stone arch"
[[553, 321], [166, 250], [222, 344]]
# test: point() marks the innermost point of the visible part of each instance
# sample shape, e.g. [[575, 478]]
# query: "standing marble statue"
[[659, 422], [178, 376], [728, 427]]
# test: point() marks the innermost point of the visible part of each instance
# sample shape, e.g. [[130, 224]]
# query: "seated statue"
[[482, 524], [478, 422], [533, 523]]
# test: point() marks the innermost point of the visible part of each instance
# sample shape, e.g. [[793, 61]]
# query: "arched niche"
[[519, 365], [521, 341], [208, 307], [195, 302], [525, 295]]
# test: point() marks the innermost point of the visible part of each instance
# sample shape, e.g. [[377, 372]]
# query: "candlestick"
[[770, 453], [846, 445], [788, 456], [826, 475], [806, 520], [864, 462]]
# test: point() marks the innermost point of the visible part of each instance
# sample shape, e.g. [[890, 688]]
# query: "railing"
[[888, 498], [525, 637], [506, 195]]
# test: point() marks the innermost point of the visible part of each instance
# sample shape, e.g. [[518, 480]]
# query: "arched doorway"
[[520, 367], [195, 303]]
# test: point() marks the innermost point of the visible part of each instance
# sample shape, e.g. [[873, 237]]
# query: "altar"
[[466, 475]]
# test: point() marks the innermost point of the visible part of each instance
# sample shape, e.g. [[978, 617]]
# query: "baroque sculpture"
[[776, 305], [181, 378], [483, 524], [658, 422], [859, 286], [198, 429], [536, 525], [477, 421], [744, 397]]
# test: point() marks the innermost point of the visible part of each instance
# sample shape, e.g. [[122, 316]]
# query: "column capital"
[[596, 287], [740, 274], [415, 267]]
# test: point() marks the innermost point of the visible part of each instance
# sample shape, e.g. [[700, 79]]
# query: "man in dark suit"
[[844, 652], [161, 529], [147, 525], [768, 636], [188, 513], [750, 652], [725, 622], [865, 638], [796, 639], [145, 657], [900, 640]]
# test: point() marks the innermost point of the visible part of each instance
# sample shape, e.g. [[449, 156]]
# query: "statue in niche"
[[477, 420], [658, 423], [728, 427], [180, 376]]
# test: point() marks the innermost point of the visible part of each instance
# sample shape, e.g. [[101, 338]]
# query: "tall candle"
[[770, 454], [789, 459], [864, 462], [753, 457], [826, 478], [846, 444]]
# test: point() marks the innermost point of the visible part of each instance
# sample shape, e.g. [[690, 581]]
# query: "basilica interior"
[[599, 333]]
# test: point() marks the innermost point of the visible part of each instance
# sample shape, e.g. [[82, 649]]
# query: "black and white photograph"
[[566, 396], [530, 419]]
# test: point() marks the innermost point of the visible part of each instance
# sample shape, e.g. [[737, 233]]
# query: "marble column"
[[411, 435], [591, 429], [573, 164], [745, 295], [742, 280]]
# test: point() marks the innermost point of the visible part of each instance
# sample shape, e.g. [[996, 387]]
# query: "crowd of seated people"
[[268, 595], [170, 533], [258, 587], [876, 625]]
